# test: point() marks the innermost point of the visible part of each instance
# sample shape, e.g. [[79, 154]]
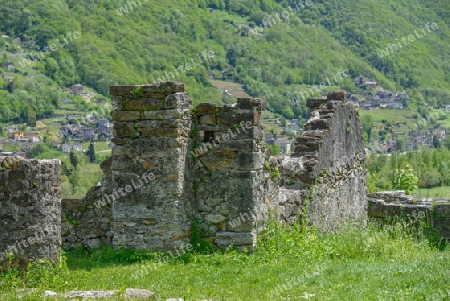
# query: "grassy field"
[[375, 263], [99, 146], [441, 192], [269, 123], [235, 89]]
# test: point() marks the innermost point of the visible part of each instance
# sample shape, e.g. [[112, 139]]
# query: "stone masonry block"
[[314, 103], [251, 103], [225, 154], [177, 100], [125, 115], [163, 114], [162, 87], [337, 96], [161, 132], [239, 145], [125, 129], [207, 108], [208, 119], [225, 239], [441, 210], [143, 104]]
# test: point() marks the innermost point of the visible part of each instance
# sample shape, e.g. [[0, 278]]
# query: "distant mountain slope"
[[123, 43]]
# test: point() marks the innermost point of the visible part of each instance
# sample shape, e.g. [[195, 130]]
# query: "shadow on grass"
[[107, 256]]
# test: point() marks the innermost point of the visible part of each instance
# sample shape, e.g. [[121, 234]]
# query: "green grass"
[[442, 192], [223, 15], [70, 112], [99, 146], [269, 123], [446, 115], [404, 115], [376, 263]]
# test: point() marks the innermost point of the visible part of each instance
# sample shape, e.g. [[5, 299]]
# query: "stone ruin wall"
[[209, 162], [173, 163], [388, 204], [324, 179], [88, 222], [30, 211]]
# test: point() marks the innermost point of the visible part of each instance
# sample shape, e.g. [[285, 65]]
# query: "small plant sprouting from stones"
[[274, 171], [139, 91], [200, 244], [275, 174], [194, 133]]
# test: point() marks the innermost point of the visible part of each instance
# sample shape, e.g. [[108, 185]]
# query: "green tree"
[[91, 153], [445, 173], [406, 180], [429, 180], [367, 123], [37, 150], [73, 159]]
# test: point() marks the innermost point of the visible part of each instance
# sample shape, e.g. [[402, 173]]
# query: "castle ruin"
[[173, 163]]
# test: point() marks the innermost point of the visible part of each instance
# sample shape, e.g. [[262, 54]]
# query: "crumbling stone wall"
[[30, 210], [325, 177], [209, 162], [387, 204], [88, 222], [172, 163]]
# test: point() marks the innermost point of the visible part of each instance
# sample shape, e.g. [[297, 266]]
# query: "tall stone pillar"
[[228, 173], [151, 136], [30, 211]]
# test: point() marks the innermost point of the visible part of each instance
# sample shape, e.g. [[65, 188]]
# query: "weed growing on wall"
[[200, 244]]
